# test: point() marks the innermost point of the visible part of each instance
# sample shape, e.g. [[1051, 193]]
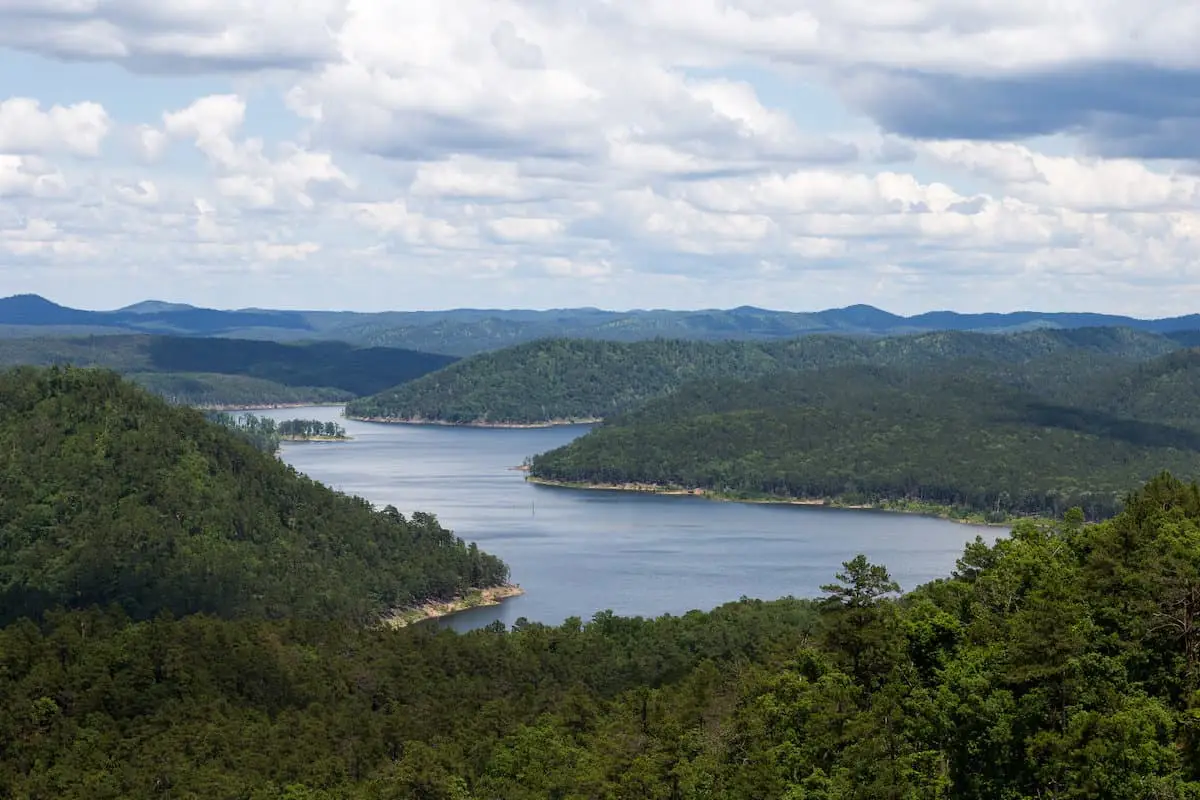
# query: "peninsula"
[[568, 381], [961, 443]]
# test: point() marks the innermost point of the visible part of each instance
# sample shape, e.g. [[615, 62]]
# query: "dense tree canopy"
[[1062, 661], [219, 371], [212, 390], [109, 495], [311, 429], [571, 379], [262, 432], [961, 438], [185, 616]]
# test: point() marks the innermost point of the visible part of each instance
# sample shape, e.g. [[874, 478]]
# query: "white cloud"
[[42, 237], [954, 35], [624, 151], [525, 229], [271, 251], [210, 121], [468, 176], [395, 218], [30, 176], [143, 193], [938, 35], [182, 35], [78, 129], [246, 173], [150, 142], [1087, 184]]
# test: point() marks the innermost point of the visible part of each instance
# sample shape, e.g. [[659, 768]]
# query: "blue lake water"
[[576, 552]]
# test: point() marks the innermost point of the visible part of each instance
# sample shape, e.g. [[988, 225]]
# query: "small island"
[[266, 434], [311, 430]]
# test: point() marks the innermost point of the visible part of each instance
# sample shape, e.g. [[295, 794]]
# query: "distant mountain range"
[[462, 332]]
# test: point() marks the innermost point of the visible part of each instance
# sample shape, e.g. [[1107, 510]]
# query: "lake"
[[576, 552]]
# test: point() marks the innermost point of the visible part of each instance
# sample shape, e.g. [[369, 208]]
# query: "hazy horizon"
[[629, 310]]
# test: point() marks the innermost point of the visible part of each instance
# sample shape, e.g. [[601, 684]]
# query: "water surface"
[[576, 552]]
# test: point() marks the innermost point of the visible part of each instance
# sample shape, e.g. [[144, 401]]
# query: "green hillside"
[[218, 371], [467, 331], [213, 390], [110, 496], [1058, 663], [951, 437], [573, 379]]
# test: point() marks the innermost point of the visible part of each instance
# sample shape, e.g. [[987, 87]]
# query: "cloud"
[[181, 36], [42, 238], [395, 218], [672, 152], [78, 129], [30, 176], [246, 173], [1084, 184], [406, 79], [515, 80], [525, 229], [1118, 109], [271, 251], [143, 193], [210, 121], [468, 177], [150, 142]]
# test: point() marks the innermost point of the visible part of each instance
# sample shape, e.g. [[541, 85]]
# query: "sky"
[[975, 155]]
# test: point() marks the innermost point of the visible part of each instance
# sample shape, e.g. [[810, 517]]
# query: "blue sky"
[[381, 154]]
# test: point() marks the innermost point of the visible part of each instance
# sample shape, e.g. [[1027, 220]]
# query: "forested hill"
[[109, 495], [572, 379], [1059, 662], [467, 331], [953, 437], [215, 371]]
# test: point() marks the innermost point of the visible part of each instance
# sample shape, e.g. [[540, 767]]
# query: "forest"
[[574, 379], [232, 372], [310, 429], [266, 434], [1062, 661], [108, 495], [261, 432], [216, 391], [468, 331], [968, 441]]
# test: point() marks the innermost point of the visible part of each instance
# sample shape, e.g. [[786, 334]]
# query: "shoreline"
[[326, 439], [553, 423], [708, 494], [437, 609], [264, 406]]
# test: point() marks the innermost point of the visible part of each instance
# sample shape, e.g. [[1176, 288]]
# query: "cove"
[[577, 552]]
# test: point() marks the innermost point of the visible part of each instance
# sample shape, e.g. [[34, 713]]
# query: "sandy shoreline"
[[652, 488], [475, 598], [553, 423]]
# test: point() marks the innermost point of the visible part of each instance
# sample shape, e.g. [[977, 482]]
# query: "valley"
[[493, 600], [601, 400]]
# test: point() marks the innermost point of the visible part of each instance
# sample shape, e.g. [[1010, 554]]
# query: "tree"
[[861, 622], [862, 583]]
